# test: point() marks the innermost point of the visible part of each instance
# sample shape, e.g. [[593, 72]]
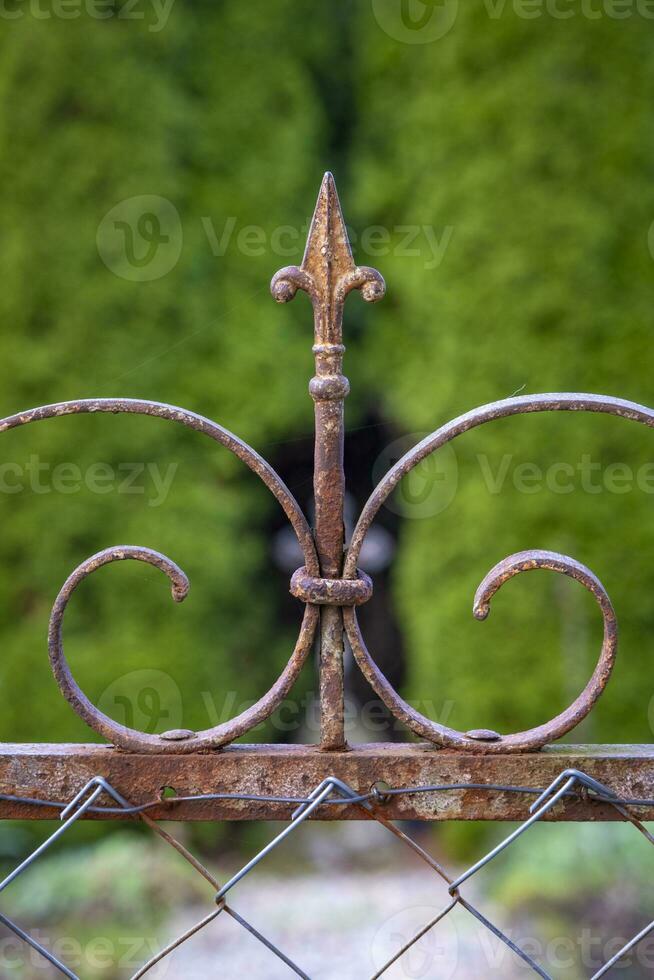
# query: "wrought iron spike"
[[328, 273], [330, 587], [327, 258]]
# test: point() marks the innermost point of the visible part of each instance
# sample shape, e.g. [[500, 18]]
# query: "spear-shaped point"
[[327, 255], [328, 271]]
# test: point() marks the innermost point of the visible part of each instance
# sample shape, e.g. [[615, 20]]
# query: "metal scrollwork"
[[483, 740], [329, 583], [182, 741]]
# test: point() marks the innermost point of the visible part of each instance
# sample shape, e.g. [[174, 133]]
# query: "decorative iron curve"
[[179, 740], [329, 586]]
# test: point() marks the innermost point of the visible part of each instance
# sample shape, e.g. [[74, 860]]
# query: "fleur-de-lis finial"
[[328, 273]]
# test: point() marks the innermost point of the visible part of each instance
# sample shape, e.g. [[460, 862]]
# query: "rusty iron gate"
[[447, 775]]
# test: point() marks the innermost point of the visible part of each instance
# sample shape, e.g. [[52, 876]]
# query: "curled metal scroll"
[[330, 590], [137, 406], [181, 741], [484, 740]]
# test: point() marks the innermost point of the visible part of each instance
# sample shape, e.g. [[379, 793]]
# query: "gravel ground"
[[338, 926]]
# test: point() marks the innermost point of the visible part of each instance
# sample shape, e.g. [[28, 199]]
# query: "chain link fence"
[[100, 797]]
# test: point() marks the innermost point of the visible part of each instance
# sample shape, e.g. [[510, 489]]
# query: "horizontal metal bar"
[[56, 772]]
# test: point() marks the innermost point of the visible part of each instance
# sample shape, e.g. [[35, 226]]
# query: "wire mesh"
[[330, 792]]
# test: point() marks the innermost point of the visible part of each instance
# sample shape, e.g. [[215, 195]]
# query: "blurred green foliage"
[[580, 910], [526, 145], [108, 920], [96, 112], [521, 147]]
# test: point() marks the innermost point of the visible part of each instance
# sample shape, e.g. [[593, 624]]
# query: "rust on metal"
[[328, 273], [331, 591], [177, 742], [485, 740], [55, 772], [331, 586]]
